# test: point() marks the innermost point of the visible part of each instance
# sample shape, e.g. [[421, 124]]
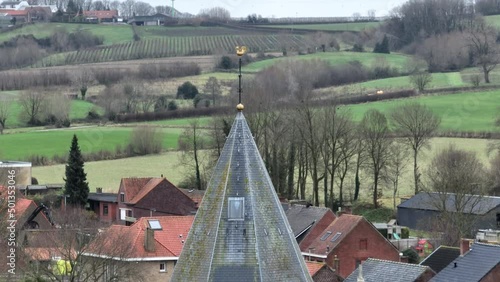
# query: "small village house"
[[347, 242]]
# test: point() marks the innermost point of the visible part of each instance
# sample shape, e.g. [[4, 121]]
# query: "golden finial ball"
[[240, 107]]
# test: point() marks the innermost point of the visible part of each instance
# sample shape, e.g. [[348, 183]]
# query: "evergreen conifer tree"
[[76, 186]]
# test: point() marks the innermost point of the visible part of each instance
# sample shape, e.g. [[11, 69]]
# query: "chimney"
[[360, 274], [98, 190], [336, 264], [149, 240], [347, 208], [465, 245]]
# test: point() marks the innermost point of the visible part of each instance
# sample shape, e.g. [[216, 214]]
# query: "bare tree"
[[494, 174], [143, 9], [82, 79], [212, 87], [56, 109], [72, 243], [416, 123], [375, 131], [310, 130], [147, 102], [146, 140], [420, 79], [5, 105], [484, 48], [371, 14], [216, 13], [458, 180], [191, 142], [398, 160], [31, 102]]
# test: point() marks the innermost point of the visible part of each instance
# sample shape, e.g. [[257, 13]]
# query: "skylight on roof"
[[335, 237], [154, 224], [325, 236]]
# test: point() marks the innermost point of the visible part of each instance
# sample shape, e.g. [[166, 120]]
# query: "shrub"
[[172, 106], [161, 104], [226, 63], [358, 47], [187, 90], [146, 140], [412, 255]]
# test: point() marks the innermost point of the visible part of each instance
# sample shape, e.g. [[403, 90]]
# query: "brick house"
[[152, 247], [141, 197], [100, 16], [308, 222], [104, 205], [348, 241]]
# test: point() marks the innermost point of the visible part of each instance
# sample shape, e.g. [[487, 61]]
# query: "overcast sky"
[[290, 8]]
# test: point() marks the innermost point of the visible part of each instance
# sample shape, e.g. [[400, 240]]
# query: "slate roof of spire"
[[240, 232]]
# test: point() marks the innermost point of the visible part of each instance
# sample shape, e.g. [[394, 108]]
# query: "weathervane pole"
[[240, 51]]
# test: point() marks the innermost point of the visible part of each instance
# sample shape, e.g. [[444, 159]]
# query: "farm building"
[[419, 211], [21, 175], [156, 19]]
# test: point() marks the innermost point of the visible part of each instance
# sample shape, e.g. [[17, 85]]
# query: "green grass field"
[[439, 80], [474, 111], [336, 58], [107, 174], [49, 143], [79, 110], [493, 20], [354, 26], [112, 33]]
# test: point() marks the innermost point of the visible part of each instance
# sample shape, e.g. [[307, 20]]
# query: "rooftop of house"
[[103, 197], [169, 235], [194, 194], [132, 186], [303, 217], [22, 205], [472, 266], [101, 14], [334, 233], [376, 270], [15, 13], [441, 257], [433, 201], [313, 267]]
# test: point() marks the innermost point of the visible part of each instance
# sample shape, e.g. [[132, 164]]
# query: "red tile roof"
[[150, 185], [46, 254], [22, 205], [14, 12], [343, 225], [132, 186], [168, 241], [313, 267], [101, 14]]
